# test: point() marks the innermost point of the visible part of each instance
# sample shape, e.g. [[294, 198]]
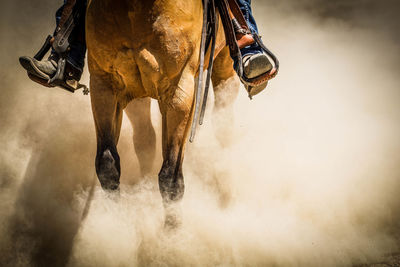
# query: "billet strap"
[[237, 13], [214, 28], [199, 82], [230, 36]]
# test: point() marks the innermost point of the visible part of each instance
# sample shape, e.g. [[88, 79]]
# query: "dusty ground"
[[392, 260]]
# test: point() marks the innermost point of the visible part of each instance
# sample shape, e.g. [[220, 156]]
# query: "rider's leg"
[[76, 55], [46, 68], [245, 7], [255, 62]]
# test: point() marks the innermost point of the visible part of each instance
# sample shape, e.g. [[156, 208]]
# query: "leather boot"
[[253, 66], [43, 69]]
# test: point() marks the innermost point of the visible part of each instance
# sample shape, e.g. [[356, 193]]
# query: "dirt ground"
[[391, 260]]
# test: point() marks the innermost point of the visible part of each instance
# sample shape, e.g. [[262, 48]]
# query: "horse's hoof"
[[173, 216], [172, 222], [107, 171]]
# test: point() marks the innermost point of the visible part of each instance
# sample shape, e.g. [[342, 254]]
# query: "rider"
[[255, 62]]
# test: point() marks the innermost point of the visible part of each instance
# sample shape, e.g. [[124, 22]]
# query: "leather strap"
[[237, 13], [199, 82], [228, 27], [213, 34], [72, 12], [66, 13]]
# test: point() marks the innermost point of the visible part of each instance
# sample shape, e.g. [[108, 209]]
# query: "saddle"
[[232, 26]]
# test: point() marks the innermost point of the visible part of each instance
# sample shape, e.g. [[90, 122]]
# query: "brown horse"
[[139, 50]]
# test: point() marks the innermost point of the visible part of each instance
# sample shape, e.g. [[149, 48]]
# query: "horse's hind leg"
[[144, 136], [107, 113], [226, 86]]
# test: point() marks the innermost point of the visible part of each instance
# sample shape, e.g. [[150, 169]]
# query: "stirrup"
[[67, 82], [263, 78]]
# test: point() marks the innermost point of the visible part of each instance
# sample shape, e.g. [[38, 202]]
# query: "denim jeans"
[[76, 55], [245, 7]]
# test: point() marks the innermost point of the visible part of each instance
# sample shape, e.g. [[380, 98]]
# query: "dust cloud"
[[311, 177]]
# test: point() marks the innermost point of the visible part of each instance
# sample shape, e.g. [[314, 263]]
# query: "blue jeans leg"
[[245, 7], [76, 56]]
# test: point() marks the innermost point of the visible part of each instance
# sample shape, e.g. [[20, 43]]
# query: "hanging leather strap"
[[237, 13], [199, 82], [213, 34], [66, 13], [230, 36]]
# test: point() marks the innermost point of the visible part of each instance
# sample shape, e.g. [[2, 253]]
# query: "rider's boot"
[[253, 66], [44, 69], [255, 63]]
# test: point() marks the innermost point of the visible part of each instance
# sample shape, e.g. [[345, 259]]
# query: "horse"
[[138, 50]]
